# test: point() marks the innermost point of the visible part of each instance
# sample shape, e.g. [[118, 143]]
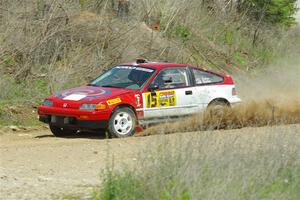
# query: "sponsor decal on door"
[[164, 98]]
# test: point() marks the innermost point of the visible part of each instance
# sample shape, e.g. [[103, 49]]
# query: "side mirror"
[[152, 88]]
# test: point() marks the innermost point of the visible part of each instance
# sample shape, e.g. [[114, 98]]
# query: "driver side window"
[[171, 78]]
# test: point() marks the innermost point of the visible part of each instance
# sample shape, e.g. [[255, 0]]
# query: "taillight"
[[234, 92]]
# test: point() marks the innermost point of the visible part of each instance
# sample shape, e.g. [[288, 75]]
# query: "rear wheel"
[[219, 104], [122, 123], [217, 107], [60, 132]]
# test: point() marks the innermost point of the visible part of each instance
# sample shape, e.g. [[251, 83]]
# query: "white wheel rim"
[[123, 123]]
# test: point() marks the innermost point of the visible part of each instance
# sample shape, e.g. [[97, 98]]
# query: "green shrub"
[[241, 60], [121, 186], [182, 32], [287, 183]]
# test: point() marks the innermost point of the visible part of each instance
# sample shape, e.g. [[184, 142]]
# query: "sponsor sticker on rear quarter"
[[114, 101]]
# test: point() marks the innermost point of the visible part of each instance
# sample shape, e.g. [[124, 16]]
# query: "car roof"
[[156, 65], [162, 65]]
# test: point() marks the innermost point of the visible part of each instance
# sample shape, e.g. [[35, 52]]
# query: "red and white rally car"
[[133, 94]]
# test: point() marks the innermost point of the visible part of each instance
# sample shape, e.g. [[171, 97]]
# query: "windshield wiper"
[[109, 86], [91, 84]]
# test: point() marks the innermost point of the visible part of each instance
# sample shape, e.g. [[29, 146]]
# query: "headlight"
[[87, 106], [48, 102]]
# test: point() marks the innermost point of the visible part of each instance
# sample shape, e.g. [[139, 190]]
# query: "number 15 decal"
[[164, 98]]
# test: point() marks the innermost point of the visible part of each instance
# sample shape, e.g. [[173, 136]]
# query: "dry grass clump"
[[239, 165], [247, 114]]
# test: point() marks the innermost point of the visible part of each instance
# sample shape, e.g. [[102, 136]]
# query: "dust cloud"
[[278, 82]]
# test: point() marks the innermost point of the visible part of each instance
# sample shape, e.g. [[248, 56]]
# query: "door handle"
[[188, 92]]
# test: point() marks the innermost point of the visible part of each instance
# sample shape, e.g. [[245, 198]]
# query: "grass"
[[18, 116], [18, 102], [247, 114], [67, 197], [245, 164]]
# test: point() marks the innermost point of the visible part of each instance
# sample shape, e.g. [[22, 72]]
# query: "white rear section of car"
[[206, 94], [185, 101]]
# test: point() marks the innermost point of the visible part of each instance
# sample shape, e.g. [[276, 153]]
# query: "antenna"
[[141, 60]]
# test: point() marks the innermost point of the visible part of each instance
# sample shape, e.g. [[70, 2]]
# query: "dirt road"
[[36, 165]]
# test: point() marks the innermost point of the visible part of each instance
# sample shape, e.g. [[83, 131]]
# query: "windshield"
[[124, 77]]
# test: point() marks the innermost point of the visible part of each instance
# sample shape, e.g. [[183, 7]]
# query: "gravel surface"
[[39, 166], [36, 165]]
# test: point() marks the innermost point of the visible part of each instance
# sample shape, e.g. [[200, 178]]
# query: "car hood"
[[91, 93]]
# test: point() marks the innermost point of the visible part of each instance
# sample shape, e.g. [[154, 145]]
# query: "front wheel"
[[122, 123], [61, 132]]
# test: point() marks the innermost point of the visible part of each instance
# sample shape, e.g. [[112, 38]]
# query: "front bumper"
[[74, 118], [72, 122]]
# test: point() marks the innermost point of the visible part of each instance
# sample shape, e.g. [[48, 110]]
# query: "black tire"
[[61, 132], [219, 103], [217, 107], [122, 123], [217, 113]]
